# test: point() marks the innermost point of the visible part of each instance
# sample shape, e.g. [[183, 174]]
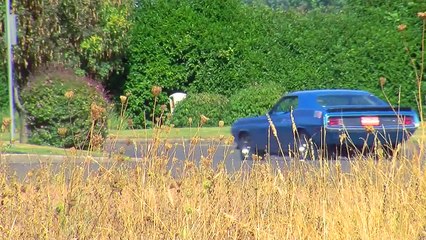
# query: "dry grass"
[[375, 200]]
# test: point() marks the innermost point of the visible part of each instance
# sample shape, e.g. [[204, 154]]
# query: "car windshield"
[[352, 100]]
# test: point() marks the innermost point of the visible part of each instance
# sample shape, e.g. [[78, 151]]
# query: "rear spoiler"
[[367, 109]]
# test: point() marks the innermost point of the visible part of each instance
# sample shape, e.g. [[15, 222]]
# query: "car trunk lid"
[[364, 116]]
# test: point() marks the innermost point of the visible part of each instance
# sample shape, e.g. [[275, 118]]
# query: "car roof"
[[307, 98], [328, 92]]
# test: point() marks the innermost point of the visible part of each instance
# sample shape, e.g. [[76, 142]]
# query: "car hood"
[[245, 123]]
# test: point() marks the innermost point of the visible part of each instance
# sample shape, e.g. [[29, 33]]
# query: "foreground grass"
[[375, 200]]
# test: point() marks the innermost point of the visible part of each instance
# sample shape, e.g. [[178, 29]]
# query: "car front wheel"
[[247, 150]]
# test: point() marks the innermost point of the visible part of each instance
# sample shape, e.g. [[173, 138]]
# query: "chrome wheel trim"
[[245, 151], [303, 147]]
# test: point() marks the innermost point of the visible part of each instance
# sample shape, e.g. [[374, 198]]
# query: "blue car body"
[[329, 118]]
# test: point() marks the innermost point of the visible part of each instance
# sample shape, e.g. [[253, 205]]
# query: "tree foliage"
[[4, 100], [89, 36], [4, 93]]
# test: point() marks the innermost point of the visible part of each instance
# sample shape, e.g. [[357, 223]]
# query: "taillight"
[[335, 121], [408, 120]]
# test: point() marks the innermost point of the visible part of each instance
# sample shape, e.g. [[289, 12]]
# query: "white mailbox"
[[175, 98]]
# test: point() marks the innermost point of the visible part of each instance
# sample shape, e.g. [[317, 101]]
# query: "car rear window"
[[352, 100]]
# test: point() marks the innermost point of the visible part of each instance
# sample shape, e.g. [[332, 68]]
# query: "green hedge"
[[188, 112], [60, 109], [186, 46], [255, 100], [224, 46]]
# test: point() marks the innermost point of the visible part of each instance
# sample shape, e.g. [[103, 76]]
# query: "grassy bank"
[[22, 148], [173, 133]]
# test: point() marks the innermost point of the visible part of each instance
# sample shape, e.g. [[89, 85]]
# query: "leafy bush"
[[142, 102], [212, 106], [62, 109], [4, 93], [255, 100]]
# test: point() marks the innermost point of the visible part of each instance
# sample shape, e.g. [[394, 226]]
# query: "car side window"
[[286, 104]]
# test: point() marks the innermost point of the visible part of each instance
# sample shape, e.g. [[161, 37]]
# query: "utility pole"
[[11, 38]]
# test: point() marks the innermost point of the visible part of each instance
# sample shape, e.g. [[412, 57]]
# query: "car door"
[[281, 117]]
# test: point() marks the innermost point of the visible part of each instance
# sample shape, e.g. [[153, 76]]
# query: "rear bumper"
[[359, 137]]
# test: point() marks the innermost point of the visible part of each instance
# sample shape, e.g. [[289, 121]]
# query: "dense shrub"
[[255, 100], [212, 106], [62, 109], [141, 102], [185, 46]]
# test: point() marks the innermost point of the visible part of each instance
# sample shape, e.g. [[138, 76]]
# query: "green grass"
[[173, 133], [40, 150], [32, 149]]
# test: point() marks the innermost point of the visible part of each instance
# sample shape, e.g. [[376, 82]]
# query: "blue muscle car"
[[333, 121]]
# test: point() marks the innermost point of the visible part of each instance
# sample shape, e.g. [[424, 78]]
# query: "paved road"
[[219, 153], [176, 153]]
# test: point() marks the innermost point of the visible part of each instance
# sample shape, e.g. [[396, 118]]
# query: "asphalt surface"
[[175, 153], [217, 152]]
